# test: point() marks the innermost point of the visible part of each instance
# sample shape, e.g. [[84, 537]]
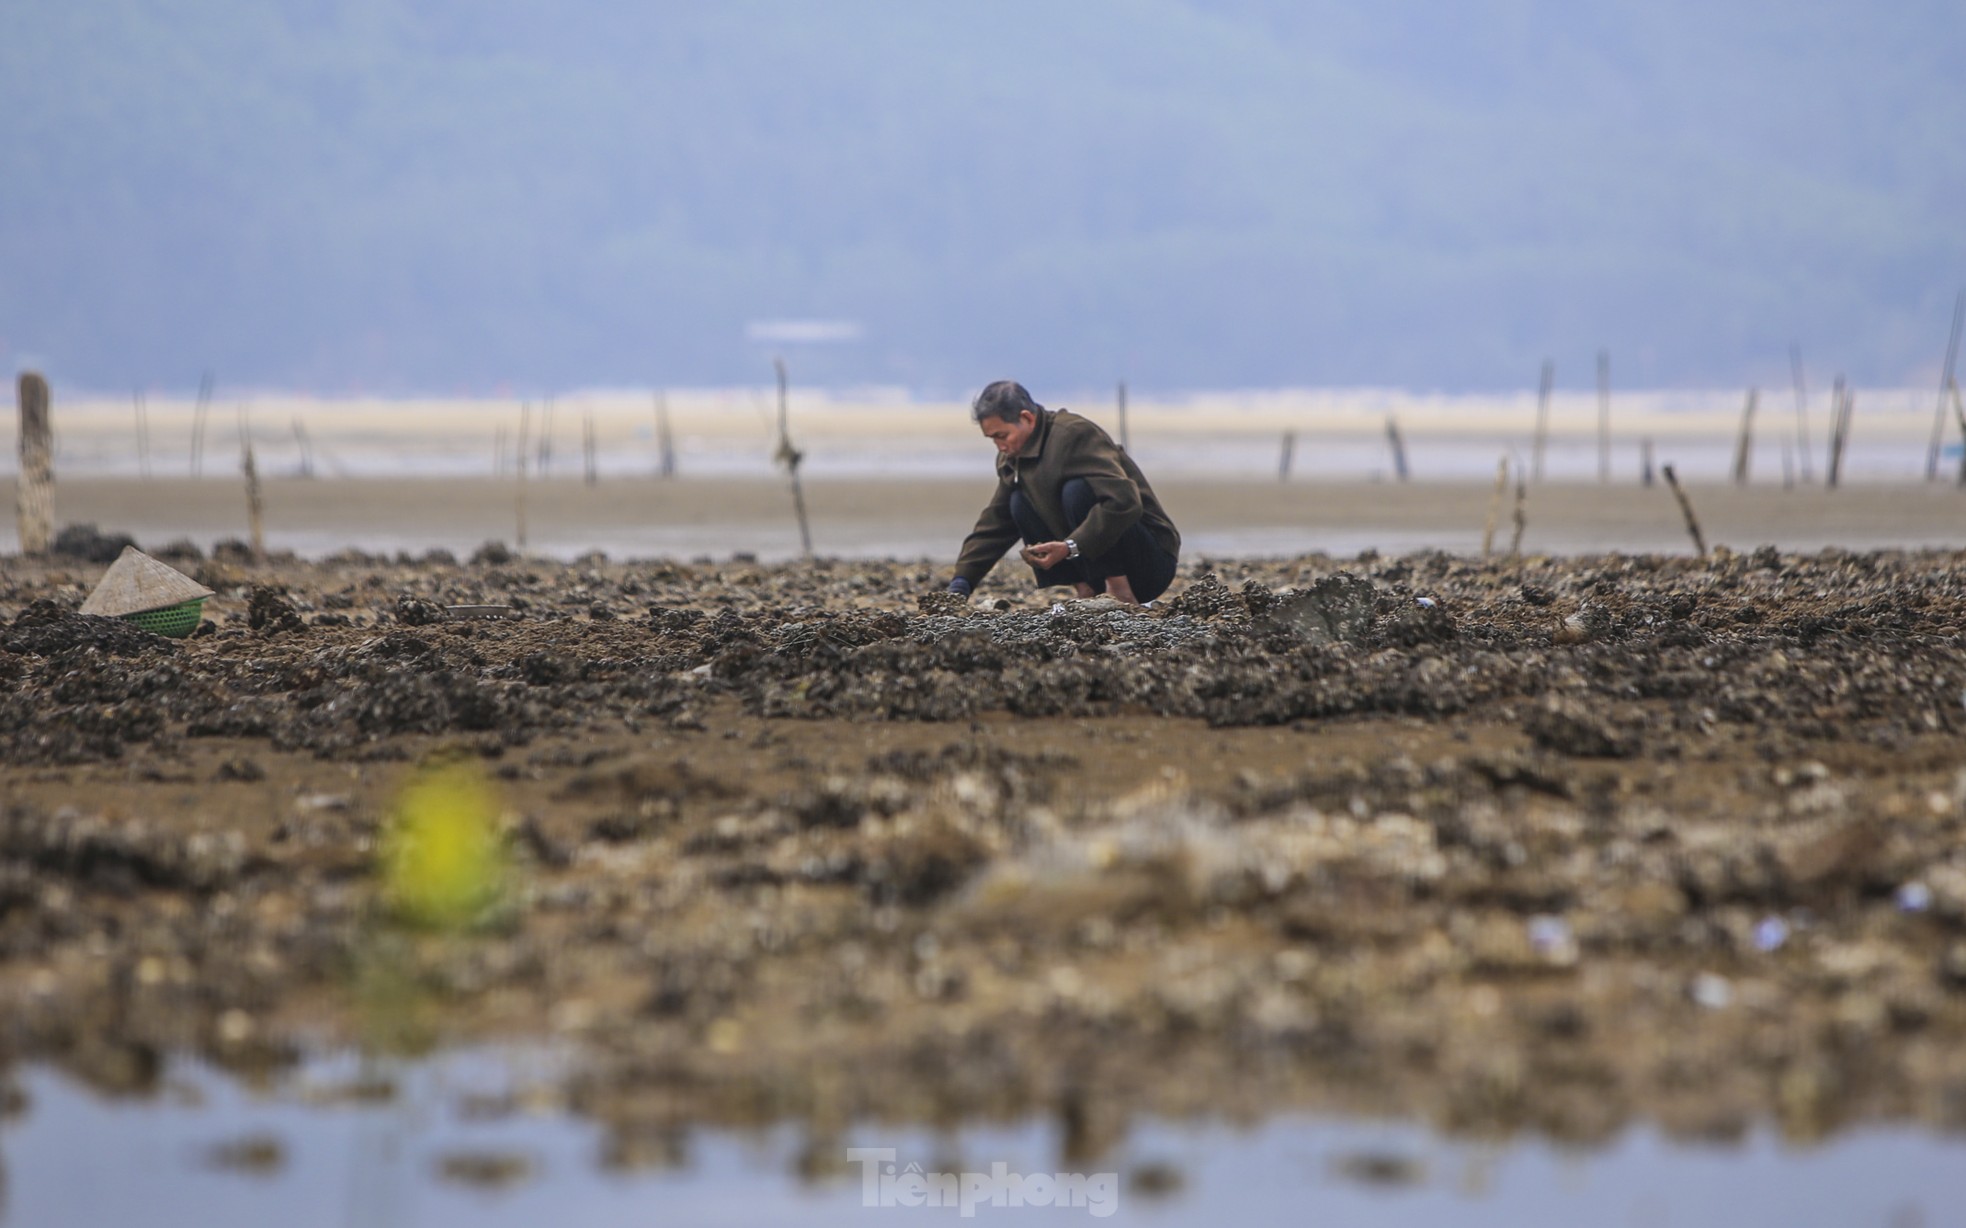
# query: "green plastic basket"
[[176, 621]]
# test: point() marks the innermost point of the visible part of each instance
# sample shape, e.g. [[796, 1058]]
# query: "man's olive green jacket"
[[1066, 446]]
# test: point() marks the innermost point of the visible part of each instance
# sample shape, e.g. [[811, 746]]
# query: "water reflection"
[[483, 1137]]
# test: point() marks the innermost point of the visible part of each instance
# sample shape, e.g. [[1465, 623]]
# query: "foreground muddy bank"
[[1549, 845]]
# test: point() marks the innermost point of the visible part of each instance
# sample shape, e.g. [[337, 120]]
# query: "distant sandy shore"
[[926, 519], [1335, 433]]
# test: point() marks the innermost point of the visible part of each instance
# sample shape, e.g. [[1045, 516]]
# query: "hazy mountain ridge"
[[1241, 192]]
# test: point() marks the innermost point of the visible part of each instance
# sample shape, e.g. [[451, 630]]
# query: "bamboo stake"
[[306, 447], [546, 438], [1284, 455], [790, 457], [519, 454], [1399, 447], [1744, 444], [1843, 424], [1842, 403], [1495, 507], [1843, 427], [1542, 419], [34, 497], [663, 439], [198, 415], [1123, 437], [1686, 510], [1945, 381], [593, 475], [1604, 415], [255, 505], [1835, 416], [1959, 412], [143, 435], [1645, 463], [1521, 519], [1801, 413]]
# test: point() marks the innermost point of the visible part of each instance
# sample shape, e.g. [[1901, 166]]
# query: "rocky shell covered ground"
[[1548, 845]]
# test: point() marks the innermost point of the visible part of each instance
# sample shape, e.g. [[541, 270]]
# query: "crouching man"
[[1082, 507]]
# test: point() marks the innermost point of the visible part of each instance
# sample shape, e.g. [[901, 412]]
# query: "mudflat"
[[1544, 844]]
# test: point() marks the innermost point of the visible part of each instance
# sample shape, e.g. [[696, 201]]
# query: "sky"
[[434, 196]]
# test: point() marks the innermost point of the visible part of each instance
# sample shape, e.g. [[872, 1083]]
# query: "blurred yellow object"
[[443, 861]]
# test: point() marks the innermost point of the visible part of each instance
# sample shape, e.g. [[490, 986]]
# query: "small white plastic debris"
[[1548, 934], [1770, 934], [1712, 991], [1914, 896], [1425, 603]]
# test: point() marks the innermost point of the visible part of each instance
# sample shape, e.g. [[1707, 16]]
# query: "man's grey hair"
[[1006, 399]]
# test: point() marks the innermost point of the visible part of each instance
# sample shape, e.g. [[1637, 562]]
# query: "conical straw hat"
[[135, 582]]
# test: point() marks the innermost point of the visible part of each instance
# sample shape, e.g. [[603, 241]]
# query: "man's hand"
[[1047, 554]]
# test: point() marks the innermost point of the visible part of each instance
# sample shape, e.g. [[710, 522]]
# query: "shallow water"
[[935, 548], [76, 1157], [1469, 457]]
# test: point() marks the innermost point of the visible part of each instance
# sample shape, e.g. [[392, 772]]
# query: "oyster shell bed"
[[1548, 845]]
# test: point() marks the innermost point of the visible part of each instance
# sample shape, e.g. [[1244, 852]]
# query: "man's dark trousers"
[[1147, 567]]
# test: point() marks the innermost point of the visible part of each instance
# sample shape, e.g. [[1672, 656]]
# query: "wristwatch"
[[1071, 549]]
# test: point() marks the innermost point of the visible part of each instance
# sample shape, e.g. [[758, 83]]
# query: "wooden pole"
[[589, 461], [1604, 415], [1542, 420], [199, 412], [1945, 382], [546, 438], [143, 435], [1686, 510], [1122, 398], [519, 454], [306, 447], [1959, 412], [1801, 413], [1284, 455], [1841, 404], [1845, 405], [790, 457], [34, 497], [1495, 507], [1835, 415], [663, 439], [1843, 427], [255, 505], [1744, 443], [1521, 519], [1399, 447], [1645, 463]]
